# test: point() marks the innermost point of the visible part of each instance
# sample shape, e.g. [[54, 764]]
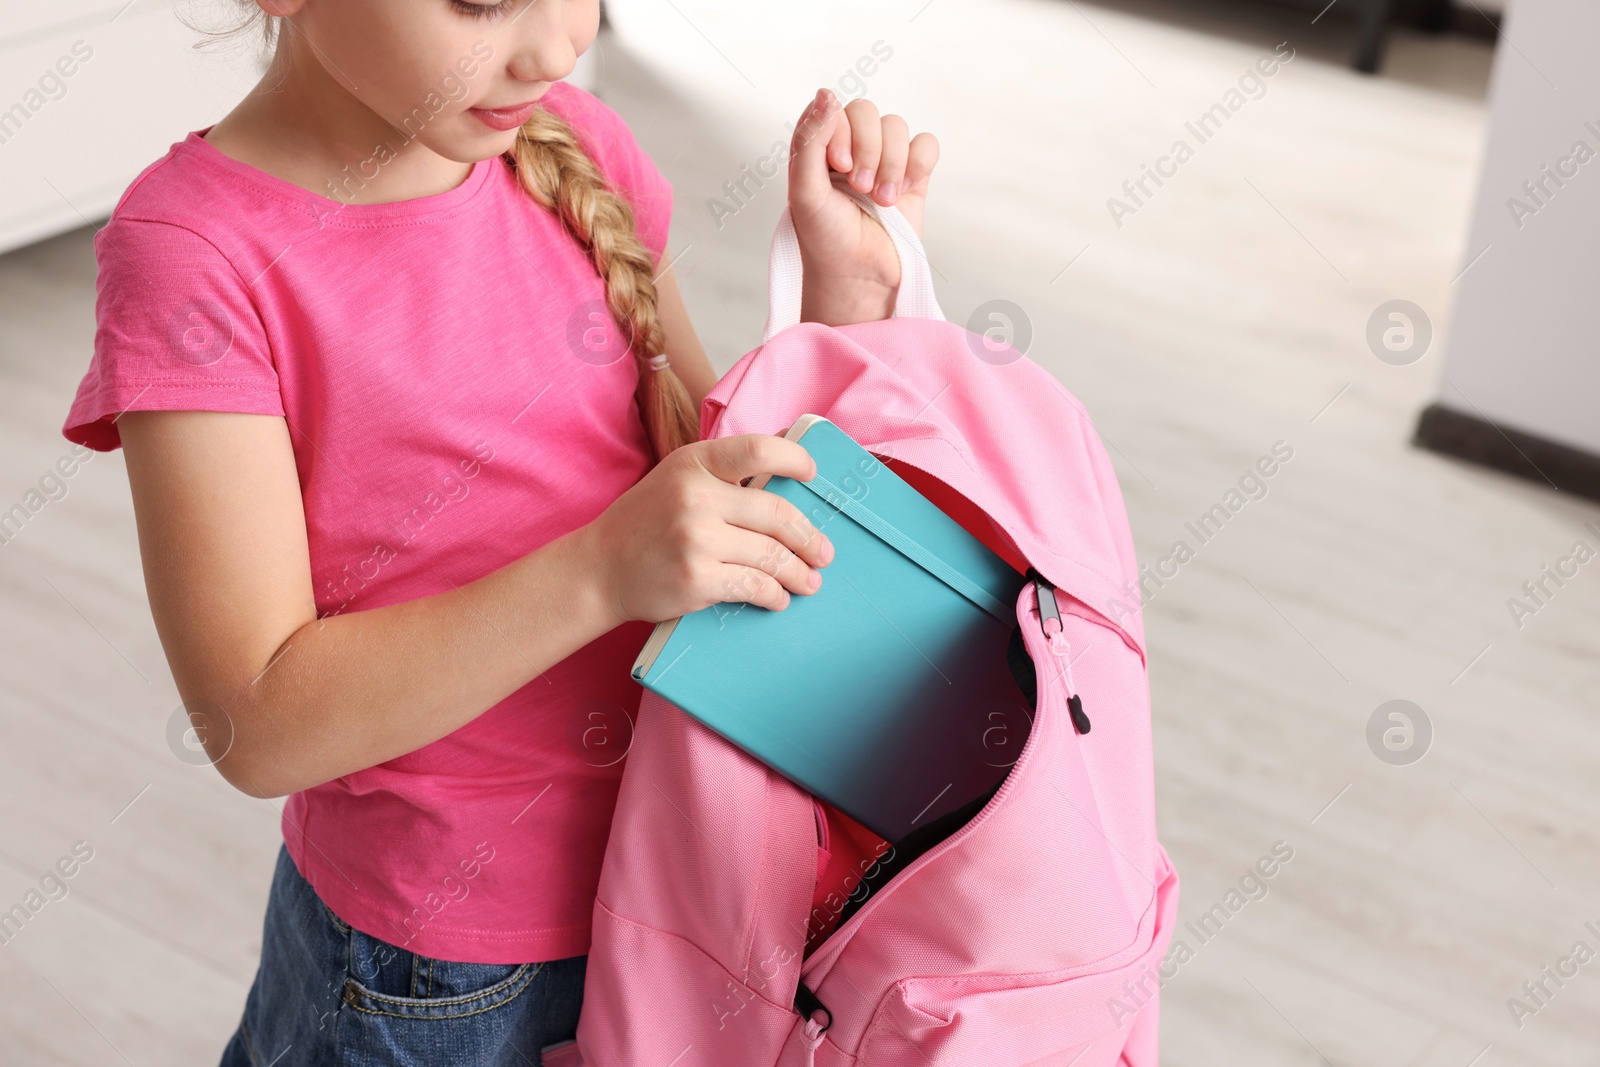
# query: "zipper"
[[1055, 635], [862, 913]]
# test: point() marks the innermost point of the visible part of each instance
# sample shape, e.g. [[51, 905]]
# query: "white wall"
[[1523, 344]]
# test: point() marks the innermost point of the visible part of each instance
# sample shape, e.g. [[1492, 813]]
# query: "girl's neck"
[[301, 125]]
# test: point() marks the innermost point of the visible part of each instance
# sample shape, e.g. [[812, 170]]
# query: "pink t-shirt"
[[457, 396]]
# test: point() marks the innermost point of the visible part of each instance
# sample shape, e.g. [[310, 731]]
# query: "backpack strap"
[[915, 298]]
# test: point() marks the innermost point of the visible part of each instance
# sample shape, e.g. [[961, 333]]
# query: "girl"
[[409, 407]]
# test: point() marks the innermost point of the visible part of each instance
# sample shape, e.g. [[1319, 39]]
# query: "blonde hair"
[[556, 172]]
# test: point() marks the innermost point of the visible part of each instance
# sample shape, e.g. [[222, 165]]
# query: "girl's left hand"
[[851, 270]]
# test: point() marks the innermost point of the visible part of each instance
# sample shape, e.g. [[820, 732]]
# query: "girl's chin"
[[470, 141]]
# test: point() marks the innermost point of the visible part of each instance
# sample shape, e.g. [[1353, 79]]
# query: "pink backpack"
[[1031, 935]]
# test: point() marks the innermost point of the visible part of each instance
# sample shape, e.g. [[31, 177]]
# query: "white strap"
[[915, 298]]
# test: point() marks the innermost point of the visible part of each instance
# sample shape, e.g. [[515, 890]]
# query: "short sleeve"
[[175, 329], [615, 150]]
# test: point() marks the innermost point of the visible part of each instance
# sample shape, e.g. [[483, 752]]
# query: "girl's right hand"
[[688, 535]]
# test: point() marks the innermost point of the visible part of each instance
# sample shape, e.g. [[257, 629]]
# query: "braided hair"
[[556, 172]]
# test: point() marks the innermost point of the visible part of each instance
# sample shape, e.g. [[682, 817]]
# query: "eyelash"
[[482, 11]]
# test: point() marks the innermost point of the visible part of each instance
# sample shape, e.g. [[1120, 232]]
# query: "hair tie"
[[658, 361]]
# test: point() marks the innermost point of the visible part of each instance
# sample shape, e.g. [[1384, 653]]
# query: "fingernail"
[[862, 179], [887, 192], [816, 578], [827, 553]]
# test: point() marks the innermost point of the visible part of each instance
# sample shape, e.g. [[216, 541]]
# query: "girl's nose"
[[542, 50]]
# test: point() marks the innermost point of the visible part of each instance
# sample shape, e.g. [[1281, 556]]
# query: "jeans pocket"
[[338, 923], [386, 980]]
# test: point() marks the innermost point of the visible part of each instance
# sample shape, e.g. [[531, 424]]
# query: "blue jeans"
[[328, 994]]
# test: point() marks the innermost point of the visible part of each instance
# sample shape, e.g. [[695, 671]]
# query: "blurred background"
[[1380, 258]]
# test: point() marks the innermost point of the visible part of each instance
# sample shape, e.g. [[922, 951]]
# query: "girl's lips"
[[503, 118]]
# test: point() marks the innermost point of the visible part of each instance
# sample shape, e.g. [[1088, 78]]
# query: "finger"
[[892, 160], [765, 512], [920, 161], [741, 584], [839, 155], [762, 557], [808, 165], [733, 459], [866, 143]]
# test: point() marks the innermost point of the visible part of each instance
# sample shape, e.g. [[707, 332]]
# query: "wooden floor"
[[1227, 313]]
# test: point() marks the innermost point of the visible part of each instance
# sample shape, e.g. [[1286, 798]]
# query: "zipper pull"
[[1055, 633], [1080, 721], [817, 1020], [812, 1036], [1049, 610]]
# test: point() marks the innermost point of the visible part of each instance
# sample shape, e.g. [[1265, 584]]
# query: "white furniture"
[[1521, 383], [94, 91]]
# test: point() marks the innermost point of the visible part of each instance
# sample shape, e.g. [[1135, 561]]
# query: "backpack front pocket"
[[1086, 1016]]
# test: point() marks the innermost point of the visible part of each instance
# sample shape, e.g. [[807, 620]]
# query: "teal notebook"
[[887, 692]]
